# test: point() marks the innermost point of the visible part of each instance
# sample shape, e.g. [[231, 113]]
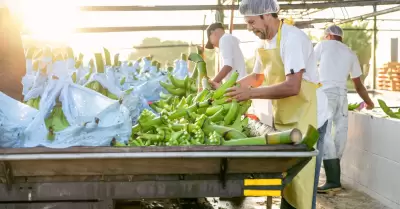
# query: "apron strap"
[[278, 39]]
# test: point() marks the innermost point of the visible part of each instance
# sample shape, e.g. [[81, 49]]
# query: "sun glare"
[[50, 20]]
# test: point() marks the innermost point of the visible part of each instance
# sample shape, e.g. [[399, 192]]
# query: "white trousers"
[[336, 131]]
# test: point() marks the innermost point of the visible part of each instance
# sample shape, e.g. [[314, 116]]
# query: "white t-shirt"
[[231, 55], [296, 52], [293, 39], [336, 61], [323, 113]]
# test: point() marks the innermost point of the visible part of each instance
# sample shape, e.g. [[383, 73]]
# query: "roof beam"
[[320, 5], [300, 24], [373, 14]]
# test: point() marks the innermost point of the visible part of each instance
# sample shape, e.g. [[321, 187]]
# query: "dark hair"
[[274, 15], [337, 38]]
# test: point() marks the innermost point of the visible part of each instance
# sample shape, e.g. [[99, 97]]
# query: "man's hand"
[[214, 85], [369, 106], [238, 93]]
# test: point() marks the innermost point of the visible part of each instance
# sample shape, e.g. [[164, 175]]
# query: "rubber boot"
[[332, 171], [285, 204]]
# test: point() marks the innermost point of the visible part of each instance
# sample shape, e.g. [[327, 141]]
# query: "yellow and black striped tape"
[[262, 187]]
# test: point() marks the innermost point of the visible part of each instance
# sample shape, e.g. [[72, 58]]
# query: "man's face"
[[258, 25], [328, 36], [213, 38]]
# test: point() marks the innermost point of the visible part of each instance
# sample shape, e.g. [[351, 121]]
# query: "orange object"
[[252, 116]]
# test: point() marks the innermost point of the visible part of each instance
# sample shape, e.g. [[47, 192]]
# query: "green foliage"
[[165, 52], [358, 40], [313, 38]]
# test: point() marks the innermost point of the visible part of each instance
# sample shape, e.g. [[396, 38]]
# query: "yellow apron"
[[293, 112]]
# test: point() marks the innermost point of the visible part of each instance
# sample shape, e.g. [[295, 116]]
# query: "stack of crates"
[[388, 77]]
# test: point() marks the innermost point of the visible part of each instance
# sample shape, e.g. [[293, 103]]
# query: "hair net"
[[334, 30], [258, 7]]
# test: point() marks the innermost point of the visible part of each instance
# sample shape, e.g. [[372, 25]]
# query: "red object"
[[362, 105], [253, 117], [149, 103]]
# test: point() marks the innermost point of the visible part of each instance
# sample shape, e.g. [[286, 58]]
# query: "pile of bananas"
[[34, 102], [56, 121]]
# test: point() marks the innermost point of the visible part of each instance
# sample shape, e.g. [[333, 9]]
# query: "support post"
[[374, 48], [269, 202], [216, 55], [232, 14]]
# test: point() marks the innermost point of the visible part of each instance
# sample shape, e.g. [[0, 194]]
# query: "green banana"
[[218, 116], [172, 90], [189, 99], [107, 57], [222, 89], [176, 82], [387, 109], [97, 86], [29, 102], [56, 121], [164, 96], [99, 62], [111, 95], [195, 57], [201, 96], [73, 77], [122, 81], [213, 110], [116, 60], [232, 113], [220, 101]]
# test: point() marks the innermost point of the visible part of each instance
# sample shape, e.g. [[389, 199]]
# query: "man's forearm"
[[277, 91], [222, 73], [362, 91]]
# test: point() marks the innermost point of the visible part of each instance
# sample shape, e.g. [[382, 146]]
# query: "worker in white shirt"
[[336, 62], [291, 77], [231, 55]]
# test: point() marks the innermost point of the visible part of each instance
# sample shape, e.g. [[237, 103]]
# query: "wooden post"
[[374, 52], [203, 41], [269, 202], [232, 14]]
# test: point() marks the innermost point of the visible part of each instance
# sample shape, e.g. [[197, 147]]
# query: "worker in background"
[[12, 57], [287, 59], [231, 55], [336, 62]]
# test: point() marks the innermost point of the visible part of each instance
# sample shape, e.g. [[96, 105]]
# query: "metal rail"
[[300, 24], [372, 14], [75, 156], [229, 7]]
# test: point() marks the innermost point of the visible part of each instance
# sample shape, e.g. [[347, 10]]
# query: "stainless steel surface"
[[253, 154]]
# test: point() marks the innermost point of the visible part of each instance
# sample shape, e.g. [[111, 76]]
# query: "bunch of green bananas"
[[353, 106], [389, 112], [34, 102], [96, 86], [56, 121]]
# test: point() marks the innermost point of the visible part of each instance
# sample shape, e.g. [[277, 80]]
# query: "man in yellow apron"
[[291, 79]]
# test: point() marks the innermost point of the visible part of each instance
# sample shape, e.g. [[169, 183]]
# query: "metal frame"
[[105, 181], [287, 6]]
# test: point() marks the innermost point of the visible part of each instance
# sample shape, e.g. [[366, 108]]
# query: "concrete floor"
[[346, 199]]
